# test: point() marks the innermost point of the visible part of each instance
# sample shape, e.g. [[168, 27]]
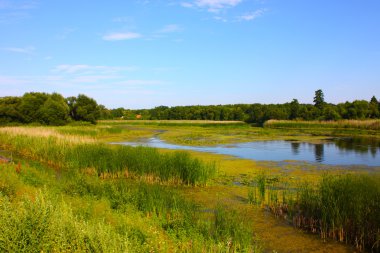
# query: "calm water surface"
[[343, 151]]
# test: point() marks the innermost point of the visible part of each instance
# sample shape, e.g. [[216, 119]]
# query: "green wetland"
[[67, 189]]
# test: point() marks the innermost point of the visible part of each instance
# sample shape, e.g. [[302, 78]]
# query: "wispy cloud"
[[121, 36], [93, 78], [122, 19], [89, 69], [170, 29], [21, 50], [65, 33], [252, 15], [17, 5], [140, 82], [211, 5], [15, 11], [106, 89]]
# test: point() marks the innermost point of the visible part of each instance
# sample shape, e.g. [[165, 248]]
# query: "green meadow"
[[66, 189]]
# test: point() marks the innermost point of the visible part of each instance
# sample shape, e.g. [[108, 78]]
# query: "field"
[[67, 189]]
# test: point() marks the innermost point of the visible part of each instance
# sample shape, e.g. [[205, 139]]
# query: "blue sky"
[[142, 54]]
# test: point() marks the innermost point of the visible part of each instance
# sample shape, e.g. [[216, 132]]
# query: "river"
[[338, 151]]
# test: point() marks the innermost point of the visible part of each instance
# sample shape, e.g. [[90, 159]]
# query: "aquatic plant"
[[81, 153], [342, 207]]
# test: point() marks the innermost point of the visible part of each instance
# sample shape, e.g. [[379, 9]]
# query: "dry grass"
[[353, 124], [44, 132], [174, 121]]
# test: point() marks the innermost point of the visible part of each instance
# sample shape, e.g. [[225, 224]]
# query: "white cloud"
[[89, 69], [121, 36], [212, 5], [139, 82], [65, 33], [93, 78], [15, 11], [170, 29], [220, 19], [251, 16], [122, 19], [21, 50], [12, 5], [187, 5]]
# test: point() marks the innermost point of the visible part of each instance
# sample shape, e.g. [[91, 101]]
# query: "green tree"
[[83, 108], [30, 106], [330, 113], [374, 108], [319, 99], [104, 112], [9, 110], [294, 109], [54, 111]]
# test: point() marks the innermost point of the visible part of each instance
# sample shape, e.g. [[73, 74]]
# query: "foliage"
[[258, 113], [47, 109], [319, 99], [36, 107], [83, 108], [73, 211]]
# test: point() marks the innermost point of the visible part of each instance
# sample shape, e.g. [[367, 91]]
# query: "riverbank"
[[223, 198]]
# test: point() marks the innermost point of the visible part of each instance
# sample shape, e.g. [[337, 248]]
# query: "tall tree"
[[319, 99], [54, 111], [30, 104], [83, 108], [374, 108], [9, 110], [294, 109]]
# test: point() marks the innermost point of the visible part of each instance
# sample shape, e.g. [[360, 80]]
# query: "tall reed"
[[345, 208], [339, 124], [80, 153]]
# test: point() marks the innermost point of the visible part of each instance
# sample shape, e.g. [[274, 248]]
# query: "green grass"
[[105, 160], [177, 123], [341, 207], [346, 208], [42, 210]]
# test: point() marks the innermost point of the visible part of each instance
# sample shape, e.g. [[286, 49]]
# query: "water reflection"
[[319, 152], [359, 145], [343, 151], [295, 147]]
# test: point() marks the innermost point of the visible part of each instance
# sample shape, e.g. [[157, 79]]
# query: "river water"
[[339, 151]]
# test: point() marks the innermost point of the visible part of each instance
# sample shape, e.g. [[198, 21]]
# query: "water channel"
[[339, 151]]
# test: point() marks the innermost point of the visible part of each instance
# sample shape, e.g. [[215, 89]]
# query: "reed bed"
[[83, 213], [339, 124], [79, 153], [220, 230], [345, 208], [197, 123]]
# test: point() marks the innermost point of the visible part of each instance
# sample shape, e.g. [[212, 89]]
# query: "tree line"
[[54, 109], [258, 113], [48, 109]]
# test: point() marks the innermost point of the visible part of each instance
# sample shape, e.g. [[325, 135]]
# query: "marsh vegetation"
[[69, 190]]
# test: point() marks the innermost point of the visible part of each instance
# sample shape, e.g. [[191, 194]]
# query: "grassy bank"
[[199, 123], [81, 153]]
